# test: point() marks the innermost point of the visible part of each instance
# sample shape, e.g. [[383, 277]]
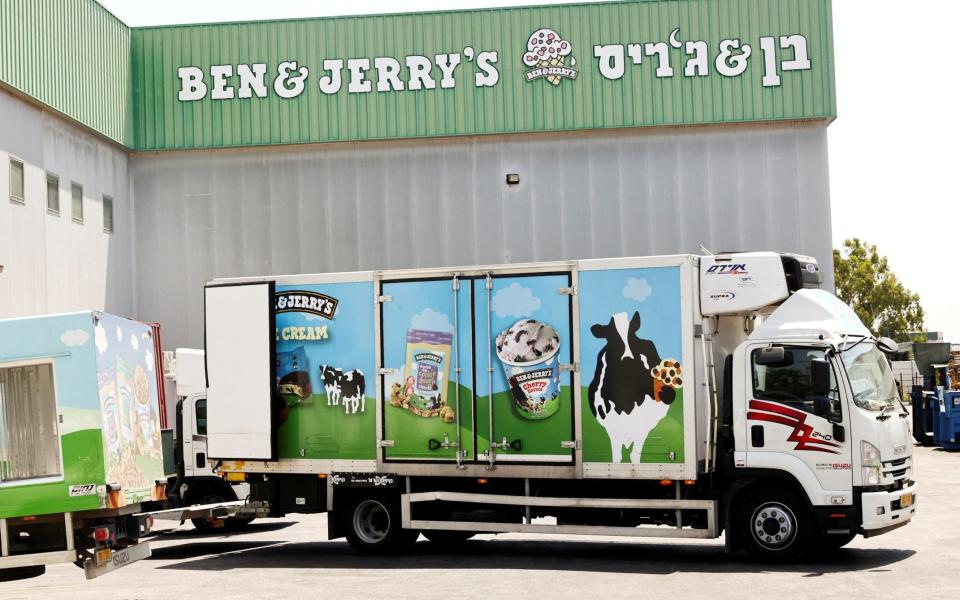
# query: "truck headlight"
[[870, 461]]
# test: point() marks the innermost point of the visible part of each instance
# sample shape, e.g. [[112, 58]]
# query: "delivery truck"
[[80, 441], [670, 396], [86, 462]]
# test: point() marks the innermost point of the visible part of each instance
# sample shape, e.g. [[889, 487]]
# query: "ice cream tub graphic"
[[528, 353]]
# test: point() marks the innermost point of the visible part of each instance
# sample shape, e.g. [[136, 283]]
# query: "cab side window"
[[201, 411], [789, 382]]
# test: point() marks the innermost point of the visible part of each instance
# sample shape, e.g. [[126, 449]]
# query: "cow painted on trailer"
[[352, 389], [331, 383], [344, 388], [621, 395]]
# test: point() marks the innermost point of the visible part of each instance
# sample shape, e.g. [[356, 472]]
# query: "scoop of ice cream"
[[527, 340], [543, 45], [669, 372]]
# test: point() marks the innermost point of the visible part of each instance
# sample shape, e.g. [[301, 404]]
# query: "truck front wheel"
[[373, 526], [774, 526]]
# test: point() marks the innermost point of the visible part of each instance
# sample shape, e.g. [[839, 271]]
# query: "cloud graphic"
[[431, 320], [637, 289], [100, 338], [515, 301], [148, 359], [74, 337], [134, 342], [119, 334]]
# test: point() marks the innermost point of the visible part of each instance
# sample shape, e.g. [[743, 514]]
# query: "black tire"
[[213, 496], [18, 573], [447, 539], [371, 525], [774, 526]]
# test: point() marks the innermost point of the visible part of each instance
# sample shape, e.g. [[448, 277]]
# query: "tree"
[[865, 282]]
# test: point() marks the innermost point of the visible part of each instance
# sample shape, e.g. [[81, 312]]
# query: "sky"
[[894, 163]]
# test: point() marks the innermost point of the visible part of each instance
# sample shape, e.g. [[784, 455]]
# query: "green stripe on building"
[[625, 64]]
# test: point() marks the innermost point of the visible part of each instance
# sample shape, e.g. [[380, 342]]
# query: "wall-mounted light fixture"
[[513, 178]]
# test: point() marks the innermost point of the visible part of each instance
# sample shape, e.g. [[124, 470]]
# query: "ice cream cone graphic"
[[553, 62], [546, 49]]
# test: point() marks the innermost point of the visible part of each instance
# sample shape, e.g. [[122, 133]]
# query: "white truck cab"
[[810, 397]]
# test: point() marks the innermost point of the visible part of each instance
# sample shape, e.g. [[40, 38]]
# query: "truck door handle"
[[756, 436]]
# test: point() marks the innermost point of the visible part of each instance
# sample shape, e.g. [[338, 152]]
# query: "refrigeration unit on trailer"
[[674, 396], [80, 446]]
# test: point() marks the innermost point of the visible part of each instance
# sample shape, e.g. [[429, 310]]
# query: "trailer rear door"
[[241, 371], [445, 352]]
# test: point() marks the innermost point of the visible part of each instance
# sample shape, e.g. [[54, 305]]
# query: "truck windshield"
[[870, 377]]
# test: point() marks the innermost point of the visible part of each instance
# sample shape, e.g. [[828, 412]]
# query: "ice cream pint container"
[[528, 353], [426, 375]]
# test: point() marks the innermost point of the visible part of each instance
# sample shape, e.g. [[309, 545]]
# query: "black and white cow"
[[348, 387], [352, 388], [621, 394], [331, 377]]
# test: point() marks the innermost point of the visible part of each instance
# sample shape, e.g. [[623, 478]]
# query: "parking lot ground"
[[287, 558]]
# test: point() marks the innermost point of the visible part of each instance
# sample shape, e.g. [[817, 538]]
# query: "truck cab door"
[[790, 428], [199, 438]]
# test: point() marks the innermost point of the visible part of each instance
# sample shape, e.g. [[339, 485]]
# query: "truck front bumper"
[[885, 511]]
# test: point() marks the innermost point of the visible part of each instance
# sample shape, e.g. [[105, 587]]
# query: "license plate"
[[115, 559], [906, 500]]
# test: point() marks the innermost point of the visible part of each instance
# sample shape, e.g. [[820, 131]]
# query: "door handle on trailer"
[[756, 436], [446, 443], [504, 444]]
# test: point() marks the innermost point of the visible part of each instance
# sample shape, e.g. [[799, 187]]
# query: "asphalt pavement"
[[287, 558]]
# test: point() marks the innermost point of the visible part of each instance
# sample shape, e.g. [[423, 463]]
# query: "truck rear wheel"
[[18, 573], [210, 525], [373, 526], [774, 526]]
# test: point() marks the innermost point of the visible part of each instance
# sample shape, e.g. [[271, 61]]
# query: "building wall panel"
[[354, 206], [52, 264]]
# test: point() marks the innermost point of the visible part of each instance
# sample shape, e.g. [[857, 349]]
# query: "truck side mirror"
[[887, 345], [820, 377]]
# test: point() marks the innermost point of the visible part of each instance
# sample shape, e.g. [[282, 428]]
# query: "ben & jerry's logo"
[[306, 302], [549, 57]]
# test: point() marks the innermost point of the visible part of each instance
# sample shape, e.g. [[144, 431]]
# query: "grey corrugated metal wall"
[[205, 214], [52, 264]]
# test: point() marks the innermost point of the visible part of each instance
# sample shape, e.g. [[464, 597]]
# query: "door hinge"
[[571, 368], [382, 299], [385, 371], [568, 291], [570, 444], [387, 443]]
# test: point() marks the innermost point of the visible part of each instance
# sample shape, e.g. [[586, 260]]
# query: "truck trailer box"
[[579, 369], [671, 396], [79, 414]]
